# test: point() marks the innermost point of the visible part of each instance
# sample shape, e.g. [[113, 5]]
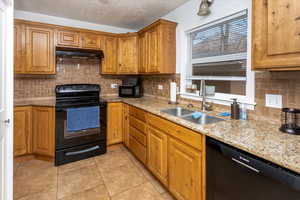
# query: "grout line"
[[130, 188], [102, 178]]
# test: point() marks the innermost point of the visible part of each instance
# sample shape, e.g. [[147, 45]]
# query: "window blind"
[[220, 39]]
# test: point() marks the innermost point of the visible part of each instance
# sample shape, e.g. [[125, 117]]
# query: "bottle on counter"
[[243, 112], [235, 110]]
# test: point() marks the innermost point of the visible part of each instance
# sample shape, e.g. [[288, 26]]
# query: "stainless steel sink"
[[204, 119], [188, 115], [178, 111]]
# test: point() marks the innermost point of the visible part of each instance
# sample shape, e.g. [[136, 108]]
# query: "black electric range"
[[80, 122]]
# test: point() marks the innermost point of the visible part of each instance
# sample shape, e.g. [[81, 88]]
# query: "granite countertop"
[[260, 138], [48, 101]]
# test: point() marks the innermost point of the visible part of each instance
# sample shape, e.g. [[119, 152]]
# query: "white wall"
[[187, 18], [37, 17]]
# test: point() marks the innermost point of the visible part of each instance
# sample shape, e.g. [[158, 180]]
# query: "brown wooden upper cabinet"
[[34, 49], [19, 48], [90, 41], [40, 52], [110, 48], [149, 51], [276, 35], [68, 38], [158, 48], [128, 54]]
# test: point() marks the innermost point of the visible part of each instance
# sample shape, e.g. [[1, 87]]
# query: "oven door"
[[126, 91], [67, 139]]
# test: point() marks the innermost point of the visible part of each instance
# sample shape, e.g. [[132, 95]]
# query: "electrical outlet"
[[160, 87], [273, 101], [113, 85]]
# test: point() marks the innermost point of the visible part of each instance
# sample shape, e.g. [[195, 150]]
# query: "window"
[[218, 52]]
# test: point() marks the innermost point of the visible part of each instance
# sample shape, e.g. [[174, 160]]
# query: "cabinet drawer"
[[138, 150], [139, 125], [185, 135], [139, 136], [137, 113]]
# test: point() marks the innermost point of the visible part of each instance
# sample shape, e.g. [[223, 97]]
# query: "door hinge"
[[7, 121]]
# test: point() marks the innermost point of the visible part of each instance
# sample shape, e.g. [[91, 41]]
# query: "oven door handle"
[[83, 151]]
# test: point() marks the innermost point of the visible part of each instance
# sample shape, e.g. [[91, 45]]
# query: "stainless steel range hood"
[[76, 53]]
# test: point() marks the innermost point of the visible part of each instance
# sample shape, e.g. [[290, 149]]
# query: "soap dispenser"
[[235, 109]]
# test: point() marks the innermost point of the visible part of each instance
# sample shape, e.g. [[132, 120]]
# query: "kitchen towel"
[[83, 118], [173, 92]]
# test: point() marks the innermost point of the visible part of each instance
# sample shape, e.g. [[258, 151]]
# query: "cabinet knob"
[[297, 18]]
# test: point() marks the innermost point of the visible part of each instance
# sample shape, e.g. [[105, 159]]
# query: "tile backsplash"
[[286, 84], [68, 72]]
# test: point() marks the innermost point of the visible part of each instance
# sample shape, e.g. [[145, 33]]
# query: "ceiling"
[[131, 14]]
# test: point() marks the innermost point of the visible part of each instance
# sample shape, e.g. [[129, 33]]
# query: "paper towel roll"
[[173, 92]]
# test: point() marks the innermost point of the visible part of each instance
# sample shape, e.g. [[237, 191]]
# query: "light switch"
[[273, 101]]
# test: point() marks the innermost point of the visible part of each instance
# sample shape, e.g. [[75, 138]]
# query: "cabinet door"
[[153, 50], [22, 131], [143, 56], [273, 23], [184, 171], [40, 50], [19, 48], [126, 125], [90, 41], [68, 38], [43, 131], [115, 123], [127, 55], [109, 62], [157, 154]]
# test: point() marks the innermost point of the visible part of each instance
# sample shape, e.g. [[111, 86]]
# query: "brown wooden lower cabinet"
[[34, 131], [43, 126], [126, 125], [185, 172], [115, 123], [158, 154], [22, 131], [138, 149], [174, 153]]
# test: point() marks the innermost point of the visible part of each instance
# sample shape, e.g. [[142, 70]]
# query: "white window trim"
[[221, 98]]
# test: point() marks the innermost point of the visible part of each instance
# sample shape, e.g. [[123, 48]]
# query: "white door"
[[6, 99]]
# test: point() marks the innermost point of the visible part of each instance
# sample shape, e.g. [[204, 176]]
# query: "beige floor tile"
[[167, 196], [79, 180], [111, 160], [116, 147], [147, 174], [49, 195], [157, 185], [76, 165], [98, 193], [33, 167], [34, 177], [122, 178], [143, 192]]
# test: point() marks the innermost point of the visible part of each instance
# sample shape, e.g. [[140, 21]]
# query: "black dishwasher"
[[233, 174]]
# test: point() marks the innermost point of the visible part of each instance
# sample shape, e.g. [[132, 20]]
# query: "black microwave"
[[130, 91], [131, 88]]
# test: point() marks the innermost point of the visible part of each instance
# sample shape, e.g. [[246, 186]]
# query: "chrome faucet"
[[205, 106]]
